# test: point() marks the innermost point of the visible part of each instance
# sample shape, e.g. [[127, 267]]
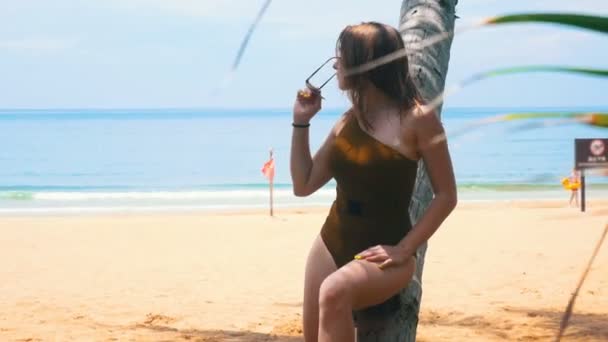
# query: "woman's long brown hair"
[[365, 42]]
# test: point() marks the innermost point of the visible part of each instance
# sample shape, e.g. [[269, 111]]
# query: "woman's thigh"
[[366, 284], [319, 265]]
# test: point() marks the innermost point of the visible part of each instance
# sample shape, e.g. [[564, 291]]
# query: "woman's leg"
[[572, 196], [319, 265], [357, 285]]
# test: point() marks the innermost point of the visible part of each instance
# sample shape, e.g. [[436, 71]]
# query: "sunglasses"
[[317, 88]]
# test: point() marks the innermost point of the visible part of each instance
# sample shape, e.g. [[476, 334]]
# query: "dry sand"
[[494, 271]]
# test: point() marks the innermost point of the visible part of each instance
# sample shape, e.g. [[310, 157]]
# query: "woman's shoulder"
[[347, 114], [341, 122], [424, 117], [425, 127], [422, 111]]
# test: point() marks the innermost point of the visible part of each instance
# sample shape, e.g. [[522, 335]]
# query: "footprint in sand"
[[291, 327], [293, 305], [152, 319]]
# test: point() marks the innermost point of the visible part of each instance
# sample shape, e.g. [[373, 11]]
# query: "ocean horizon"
[[97, 160]]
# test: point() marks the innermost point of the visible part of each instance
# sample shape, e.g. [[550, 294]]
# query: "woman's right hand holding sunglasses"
[[308, 103]]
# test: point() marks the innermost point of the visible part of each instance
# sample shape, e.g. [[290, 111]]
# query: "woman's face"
[[342, 84]]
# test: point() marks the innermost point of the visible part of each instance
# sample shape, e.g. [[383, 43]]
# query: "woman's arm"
[[308, 174], [433, 148]]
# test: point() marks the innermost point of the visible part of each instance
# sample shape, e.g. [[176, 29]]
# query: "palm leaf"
[[543, 119], [589, 22], [513, 70], [534, 68], [588, 118]]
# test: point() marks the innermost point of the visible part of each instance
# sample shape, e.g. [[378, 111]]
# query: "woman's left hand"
[[384, 256]]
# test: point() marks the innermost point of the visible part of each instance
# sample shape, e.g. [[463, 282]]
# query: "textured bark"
[[419, 19]]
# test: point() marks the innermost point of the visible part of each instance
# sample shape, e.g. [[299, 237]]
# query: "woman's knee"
[[335, 294]]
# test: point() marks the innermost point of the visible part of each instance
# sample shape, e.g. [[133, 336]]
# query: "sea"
[[134, 160]]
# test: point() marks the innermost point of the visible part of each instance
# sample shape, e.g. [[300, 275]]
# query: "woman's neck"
[[376, 102]]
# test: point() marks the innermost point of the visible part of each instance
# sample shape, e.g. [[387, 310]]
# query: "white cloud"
[[597, 7], [196, 8], [39, 45], [555, 40], [284, 12]]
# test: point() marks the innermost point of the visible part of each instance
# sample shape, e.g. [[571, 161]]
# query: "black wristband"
[[300, 125]]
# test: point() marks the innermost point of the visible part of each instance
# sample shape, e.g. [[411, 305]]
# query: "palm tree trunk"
[[419, 19]]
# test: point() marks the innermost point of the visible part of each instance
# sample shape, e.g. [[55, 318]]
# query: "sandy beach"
[[494, 271]]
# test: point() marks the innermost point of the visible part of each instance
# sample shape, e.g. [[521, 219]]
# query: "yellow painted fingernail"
[[358, 257]]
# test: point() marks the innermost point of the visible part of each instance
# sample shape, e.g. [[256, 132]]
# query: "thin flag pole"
[[268, 171], [271, 187]]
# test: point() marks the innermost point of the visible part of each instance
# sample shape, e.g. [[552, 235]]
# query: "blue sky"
[[173, 53]]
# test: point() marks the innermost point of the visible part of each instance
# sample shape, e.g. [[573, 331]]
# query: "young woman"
[[574, 184], [364, 254]]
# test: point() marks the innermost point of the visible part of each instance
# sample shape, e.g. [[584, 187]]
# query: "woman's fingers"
[[387, 263], [376, 258], [383, 256], [370, 253], [304, 93], [364, 254], [309, 96]]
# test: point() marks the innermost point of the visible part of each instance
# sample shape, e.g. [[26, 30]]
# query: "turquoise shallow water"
[[104, 160]]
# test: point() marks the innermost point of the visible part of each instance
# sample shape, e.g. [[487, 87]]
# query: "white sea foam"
[[172, 195]]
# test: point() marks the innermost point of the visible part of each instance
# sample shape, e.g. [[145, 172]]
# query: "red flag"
[[268, 169]]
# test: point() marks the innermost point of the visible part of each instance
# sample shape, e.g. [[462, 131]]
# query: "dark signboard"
[[591, 153]]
